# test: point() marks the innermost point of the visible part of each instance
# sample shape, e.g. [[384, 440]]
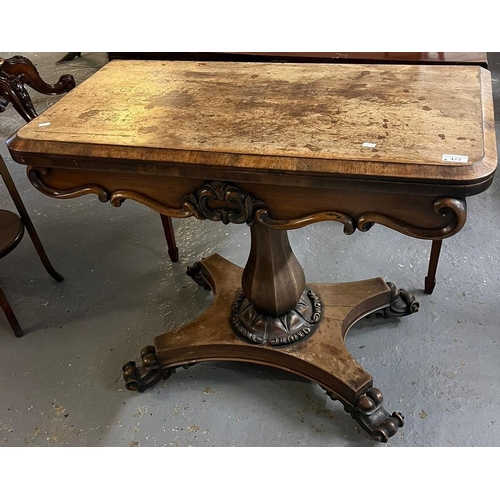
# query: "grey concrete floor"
[[61, 385]]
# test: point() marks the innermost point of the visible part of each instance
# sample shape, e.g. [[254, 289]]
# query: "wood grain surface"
[[307, 119]]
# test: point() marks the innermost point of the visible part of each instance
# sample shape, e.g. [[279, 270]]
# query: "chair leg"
[[430, 279], [9, 313], [168, 228], [16, 198]]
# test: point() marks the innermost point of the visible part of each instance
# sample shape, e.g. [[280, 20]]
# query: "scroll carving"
[[219, 201], [35, 176], [264, 218], [444, 206], [402, 303], [455, 207], [118, 197], [371, 415], [149, 372]]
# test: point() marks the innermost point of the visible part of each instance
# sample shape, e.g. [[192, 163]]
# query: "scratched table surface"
[[345, 119]]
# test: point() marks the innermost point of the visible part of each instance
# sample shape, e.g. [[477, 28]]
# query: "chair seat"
[[11, 231]]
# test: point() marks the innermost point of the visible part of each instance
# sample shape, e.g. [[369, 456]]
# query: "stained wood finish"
[[291, 207], [18, 71], [168, 229], [276, 147], [323, 359], [304, 120], [9, 314], [344, 304], [430, 279], [271, 255], [11, 232]]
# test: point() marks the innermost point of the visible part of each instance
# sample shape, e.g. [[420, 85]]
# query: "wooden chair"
[[11, 233]]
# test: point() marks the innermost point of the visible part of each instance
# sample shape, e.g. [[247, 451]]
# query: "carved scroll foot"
[[402, 303], [195, 272], [139, 378], [371, 415]]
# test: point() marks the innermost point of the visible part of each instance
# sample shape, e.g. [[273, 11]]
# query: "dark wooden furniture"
[[17, 72], [453, 58], [276, 147], [11, 232]]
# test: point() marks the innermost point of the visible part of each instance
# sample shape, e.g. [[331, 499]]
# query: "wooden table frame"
[[268, 313]]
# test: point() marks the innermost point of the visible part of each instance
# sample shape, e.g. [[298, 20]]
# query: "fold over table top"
[[431, 124]]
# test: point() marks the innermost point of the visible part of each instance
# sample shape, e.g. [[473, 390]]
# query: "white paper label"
[[455, 158], [368, 145]]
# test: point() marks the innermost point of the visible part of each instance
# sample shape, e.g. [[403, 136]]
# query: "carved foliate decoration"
[[219, 201], [259, 328]]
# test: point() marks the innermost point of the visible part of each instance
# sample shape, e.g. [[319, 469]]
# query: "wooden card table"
[[277, 147]]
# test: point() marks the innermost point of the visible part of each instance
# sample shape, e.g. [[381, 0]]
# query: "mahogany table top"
[[350, 120]]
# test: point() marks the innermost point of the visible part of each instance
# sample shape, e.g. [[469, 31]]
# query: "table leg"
[[168, 229], [430, 279], [267, 314], [9, 313]]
